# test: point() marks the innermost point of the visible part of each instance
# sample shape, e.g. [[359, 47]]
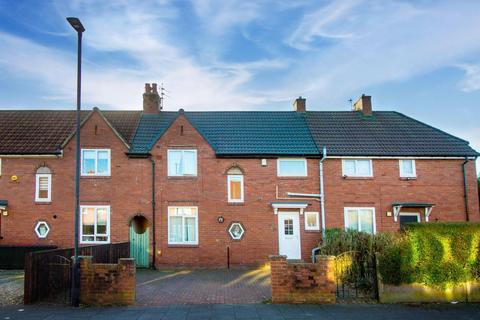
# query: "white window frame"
[[38, 225], [37, 187], [183, 218], [406, 175], [96, 174], [356, 174], [95, 225], [317, 216], [169, 151], [411, 214], [345, 217], [229, 179], [279, 174]]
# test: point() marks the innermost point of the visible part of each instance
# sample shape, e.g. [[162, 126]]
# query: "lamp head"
[[76, 24]]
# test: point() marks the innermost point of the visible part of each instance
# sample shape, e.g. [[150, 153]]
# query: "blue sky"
[[421, 58]]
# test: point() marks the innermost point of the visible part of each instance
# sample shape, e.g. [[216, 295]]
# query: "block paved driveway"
[[201, 286]]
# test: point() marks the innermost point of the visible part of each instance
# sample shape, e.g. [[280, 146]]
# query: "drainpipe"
[[322, 192], [154, 243], [467, 213]]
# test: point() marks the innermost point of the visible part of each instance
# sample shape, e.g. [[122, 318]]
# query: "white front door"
[[289, 235]]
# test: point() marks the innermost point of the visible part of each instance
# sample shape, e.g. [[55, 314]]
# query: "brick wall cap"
[[276, 257], [322, 257]]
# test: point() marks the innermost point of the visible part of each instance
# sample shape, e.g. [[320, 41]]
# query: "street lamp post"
[[75, 292]]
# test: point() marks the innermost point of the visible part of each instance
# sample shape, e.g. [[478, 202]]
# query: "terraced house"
[[204, 188]]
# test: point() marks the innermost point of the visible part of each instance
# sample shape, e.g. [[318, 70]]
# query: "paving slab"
[[249, 311]]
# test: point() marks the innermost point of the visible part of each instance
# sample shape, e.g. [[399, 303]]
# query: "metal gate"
[[356, 276]]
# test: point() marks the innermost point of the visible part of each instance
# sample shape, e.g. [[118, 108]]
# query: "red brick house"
[[201, 188]]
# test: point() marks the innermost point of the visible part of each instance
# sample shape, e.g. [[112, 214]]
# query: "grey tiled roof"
[[386, 133], [44, 131]]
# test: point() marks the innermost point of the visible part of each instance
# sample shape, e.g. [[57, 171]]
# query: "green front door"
[[139, 245]]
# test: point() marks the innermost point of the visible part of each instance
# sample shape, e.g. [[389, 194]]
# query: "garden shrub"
[[357, 264], [435, 254]]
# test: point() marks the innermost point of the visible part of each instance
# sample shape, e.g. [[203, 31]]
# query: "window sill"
[[95, 177], [183, 246], [408, 178], [312, 231], [43, 203], [182, 177], [356, 178], [93, 242], [235, 203], [293, 178]]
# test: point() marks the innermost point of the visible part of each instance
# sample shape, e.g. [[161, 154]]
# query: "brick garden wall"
[[107, 284], [303, 282]]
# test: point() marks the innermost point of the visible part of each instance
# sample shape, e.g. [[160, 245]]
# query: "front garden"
[[434, 262]]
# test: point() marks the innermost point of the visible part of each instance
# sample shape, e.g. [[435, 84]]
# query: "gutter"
[[322, 191], [154, 242], [465, 191]]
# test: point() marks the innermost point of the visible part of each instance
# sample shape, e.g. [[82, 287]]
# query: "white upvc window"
[[312, 221], [43, 187], [357, 168], [407, 168], [360, 219], [292, 167], [94, 224], [95, 162], [182, 162], [183, 225], [235, 188]]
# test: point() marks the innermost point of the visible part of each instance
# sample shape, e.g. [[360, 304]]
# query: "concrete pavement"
[[248, 311]]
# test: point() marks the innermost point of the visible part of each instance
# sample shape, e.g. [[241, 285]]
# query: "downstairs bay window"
[[94, 224], [183, 225], [360, 219]]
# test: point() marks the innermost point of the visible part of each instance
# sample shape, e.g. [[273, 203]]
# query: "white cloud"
[[471, 81]]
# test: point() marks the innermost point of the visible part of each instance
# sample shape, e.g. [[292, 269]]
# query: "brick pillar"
[[126, 281], [326, 268], [280, 286], [86, 277]]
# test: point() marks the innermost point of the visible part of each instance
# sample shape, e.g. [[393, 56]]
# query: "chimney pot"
[[299, 105], [364, 104], [151, 99]]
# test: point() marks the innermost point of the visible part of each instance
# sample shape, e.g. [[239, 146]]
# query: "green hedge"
[[435, 254]]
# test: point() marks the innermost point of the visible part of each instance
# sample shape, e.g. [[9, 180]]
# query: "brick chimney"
[[364, 104], [299, 105], [151, 99]]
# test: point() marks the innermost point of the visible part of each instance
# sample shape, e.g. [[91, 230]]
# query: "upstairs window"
[[407, 168], [357, 168], [182, 163], [292, 167], [235, 185], [95, 162], [43, 185]]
